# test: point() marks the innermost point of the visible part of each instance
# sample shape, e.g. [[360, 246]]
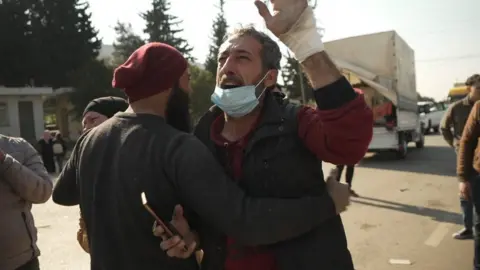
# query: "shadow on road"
[[435, 214], [436, 160]]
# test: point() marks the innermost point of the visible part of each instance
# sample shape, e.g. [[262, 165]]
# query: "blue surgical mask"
[[239, 101]]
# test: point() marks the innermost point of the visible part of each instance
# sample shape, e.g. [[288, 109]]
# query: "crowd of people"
[[461, 130], [228, 181], [53, 149], [238, 190]]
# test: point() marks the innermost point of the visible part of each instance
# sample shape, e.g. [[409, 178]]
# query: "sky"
[[445, 34]]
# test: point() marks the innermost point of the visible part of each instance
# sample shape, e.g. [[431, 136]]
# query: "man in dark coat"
[[274, 149], [45, 148]]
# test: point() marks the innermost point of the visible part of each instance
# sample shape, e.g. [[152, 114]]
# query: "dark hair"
[[271, 54], [473, 80]]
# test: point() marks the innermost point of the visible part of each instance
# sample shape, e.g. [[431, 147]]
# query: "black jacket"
[[276, 164], [112, 164]]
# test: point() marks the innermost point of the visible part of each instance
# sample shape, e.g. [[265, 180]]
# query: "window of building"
[[4, 119]]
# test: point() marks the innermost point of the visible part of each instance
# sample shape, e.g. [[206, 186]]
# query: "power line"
[[451, 58]]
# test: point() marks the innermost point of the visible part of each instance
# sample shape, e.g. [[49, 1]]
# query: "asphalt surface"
[[407, 210]]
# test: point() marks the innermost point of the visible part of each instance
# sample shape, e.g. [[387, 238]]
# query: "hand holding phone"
[[178, 240]]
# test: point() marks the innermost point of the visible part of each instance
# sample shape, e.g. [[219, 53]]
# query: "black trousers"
[[348, 174], [34, 264]]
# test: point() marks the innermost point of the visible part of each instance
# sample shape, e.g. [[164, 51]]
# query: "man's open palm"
[[285, 14]]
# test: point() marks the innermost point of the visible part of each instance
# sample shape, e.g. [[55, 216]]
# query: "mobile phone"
[[169, 229]]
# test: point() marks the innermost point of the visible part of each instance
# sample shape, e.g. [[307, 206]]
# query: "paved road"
[[408, 210]]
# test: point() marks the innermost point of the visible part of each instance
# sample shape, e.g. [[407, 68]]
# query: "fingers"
[[178, 248], [178, 213], [158, 231], [263, 10], [170, 243], [332, 175]]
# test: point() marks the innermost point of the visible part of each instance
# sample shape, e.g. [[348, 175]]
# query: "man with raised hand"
[[273, 148]]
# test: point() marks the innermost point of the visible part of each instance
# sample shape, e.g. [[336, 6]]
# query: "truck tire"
[[428, 128], [402, 146], [421, 142]]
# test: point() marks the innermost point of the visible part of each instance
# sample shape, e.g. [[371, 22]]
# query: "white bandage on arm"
[[304, 38]]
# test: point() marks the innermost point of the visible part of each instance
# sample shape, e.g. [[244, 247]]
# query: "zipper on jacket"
[[24, 217]]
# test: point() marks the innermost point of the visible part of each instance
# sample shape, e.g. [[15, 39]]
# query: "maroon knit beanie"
[[151, 69]]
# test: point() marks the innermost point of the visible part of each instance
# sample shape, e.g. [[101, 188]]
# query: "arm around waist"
[[219, 202]]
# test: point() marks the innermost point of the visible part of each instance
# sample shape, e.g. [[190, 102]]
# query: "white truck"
[[431, 114], [382, 65]]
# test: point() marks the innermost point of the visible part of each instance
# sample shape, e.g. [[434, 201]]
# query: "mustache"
[[230, 79]]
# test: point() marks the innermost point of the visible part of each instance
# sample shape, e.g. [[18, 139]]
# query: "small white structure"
[[21, 111]]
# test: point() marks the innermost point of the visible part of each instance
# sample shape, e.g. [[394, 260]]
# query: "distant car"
[[431, 114]]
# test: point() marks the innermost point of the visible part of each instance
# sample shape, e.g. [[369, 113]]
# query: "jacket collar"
[[467, 101]]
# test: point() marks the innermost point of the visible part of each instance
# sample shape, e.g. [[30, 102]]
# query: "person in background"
[[45, 147], [59, 150], [468, 168], [348, 176], [138, 151], [23, 181], [96, 112], [101, 109], [452, 127]]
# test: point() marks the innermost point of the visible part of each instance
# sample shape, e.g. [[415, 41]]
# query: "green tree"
[[220, 27], [164, 27], [64, 39], [92, 80], [203, 84], [15, 48], [125, 44], [291, 78]]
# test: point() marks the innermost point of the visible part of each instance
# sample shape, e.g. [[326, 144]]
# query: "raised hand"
[[285, 14]]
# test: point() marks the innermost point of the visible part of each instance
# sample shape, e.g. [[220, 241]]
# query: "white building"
[[21, 112]]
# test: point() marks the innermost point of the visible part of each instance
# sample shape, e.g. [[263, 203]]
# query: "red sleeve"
[[340, 135]]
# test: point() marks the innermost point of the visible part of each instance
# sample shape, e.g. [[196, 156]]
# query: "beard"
[[177, 113]]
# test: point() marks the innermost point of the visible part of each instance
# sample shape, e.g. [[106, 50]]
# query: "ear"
[[271, 78]]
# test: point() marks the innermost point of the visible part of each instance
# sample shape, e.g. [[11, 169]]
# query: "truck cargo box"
[[382, 60]]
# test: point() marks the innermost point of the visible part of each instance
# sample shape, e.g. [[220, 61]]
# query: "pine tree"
[[15, 48], [164, 27], [203, 83], [290, 75], [92, 80], [126, 43], [220, 27], [64, 39]]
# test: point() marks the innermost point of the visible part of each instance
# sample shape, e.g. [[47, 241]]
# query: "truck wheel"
[[428, 128], [421, 142], [402, 146]]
